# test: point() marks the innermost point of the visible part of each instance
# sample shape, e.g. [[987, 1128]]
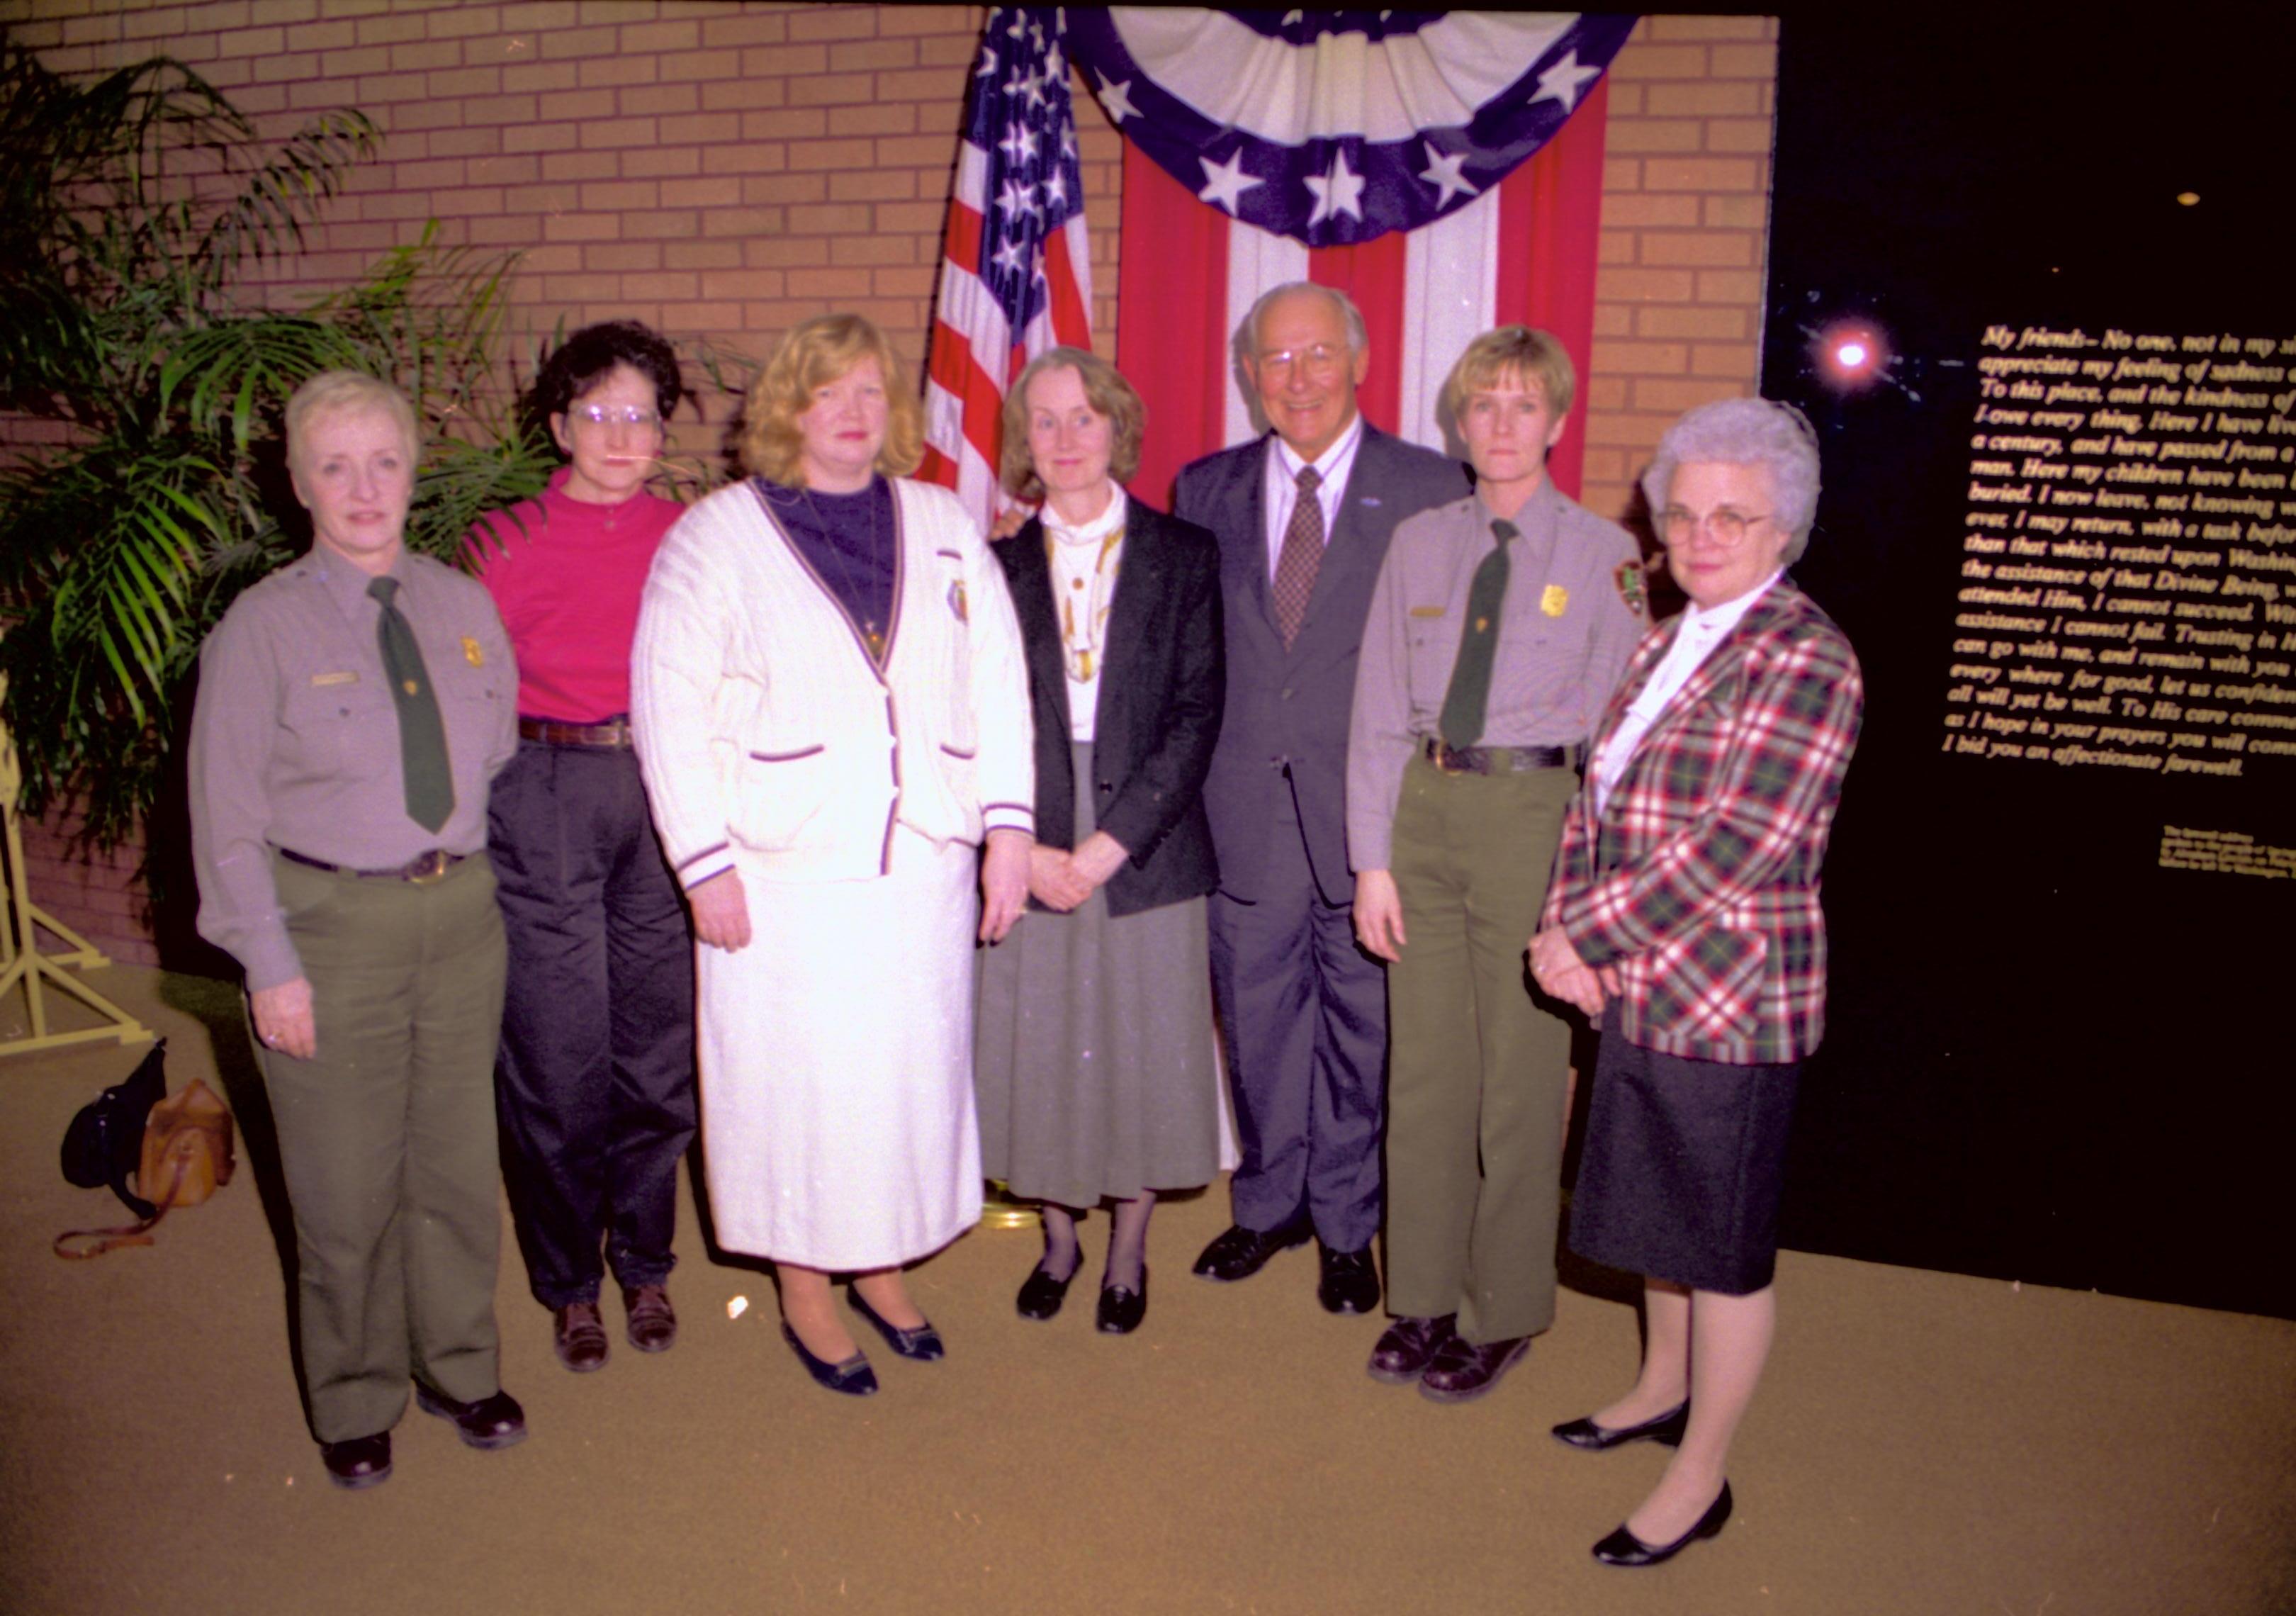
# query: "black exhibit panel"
[[2029, 283]]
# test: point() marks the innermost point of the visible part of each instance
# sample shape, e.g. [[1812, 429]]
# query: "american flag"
[[1016, 272]]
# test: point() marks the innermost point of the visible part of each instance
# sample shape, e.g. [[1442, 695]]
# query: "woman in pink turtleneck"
[[594, 1086]]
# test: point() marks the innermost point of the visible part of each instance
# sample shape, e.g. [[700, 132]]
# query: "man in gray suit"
[[1303, 517]]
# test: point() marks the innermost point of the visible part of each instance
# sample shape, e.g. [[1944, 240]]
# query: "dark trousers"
[[1303, 1014], [595, 1080], [386, 1140]]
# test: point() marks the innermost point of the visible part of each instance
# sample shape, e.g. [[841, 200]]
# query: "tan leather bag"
[[187, 1157]]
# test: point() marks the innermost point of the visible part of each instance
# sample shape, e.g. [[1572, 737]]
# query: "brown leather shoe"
[[652, 1321], [1463, 1370], [492, 1421], [1407, 1346], [579, 1336], [361, 1461]]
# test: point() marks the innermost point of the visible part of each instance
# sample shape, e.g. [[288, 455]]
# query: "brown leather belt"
[[1496, 759], [422, 869], [550, 732]]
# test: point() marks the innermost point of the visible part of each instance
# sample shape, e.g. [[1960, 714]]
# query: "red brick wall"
[[722, 170]]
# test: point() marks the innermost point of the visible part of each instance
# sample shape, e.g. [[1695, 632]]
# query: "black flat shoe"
[[852, 1377], [921, 1345], [490, 1422], [360, 1462], [1407, 1346], [1121, 1311], [1591, 1437], [1622, 1548], [1041, 1295]]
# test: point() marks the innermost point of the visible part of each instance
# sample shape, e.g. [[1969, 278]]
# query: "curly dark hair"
[[583, 360]]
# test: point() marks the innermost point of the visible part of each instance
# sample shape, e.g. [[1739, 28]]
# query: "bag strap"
[[134, 1234]]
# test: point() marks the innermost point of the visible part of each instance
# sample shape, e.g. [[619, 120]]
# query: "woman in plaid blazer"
[[1684, 915]]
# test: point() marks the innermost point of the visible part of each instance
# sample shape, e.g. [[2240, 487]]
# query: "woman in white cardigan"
[[832, 711]]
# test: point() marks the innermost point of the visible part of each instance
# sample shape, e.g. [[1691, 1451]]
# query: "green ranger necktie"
[[422, 736], [1470, 694]]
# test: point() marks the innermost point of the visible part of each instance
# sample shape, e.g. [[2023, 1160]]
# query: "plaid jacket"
[[1700, 883]]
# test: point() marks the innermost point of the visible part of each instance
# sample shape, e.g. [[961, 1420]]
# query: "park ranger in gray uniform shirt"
[[353, 709], [1499, 627]]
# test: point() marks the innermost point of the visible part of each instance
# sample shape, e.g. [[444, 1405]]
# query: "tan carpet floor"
[[1925, 1443]]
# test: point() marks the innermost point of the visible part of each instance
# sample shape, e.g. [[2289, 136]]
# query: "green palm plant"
[[130, 207]]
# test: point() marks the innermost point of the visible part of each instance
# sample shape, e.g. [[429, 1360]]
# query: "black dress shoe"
[[1350, 1283], [921, 1345], [1041, 1295], [1622, 1548], [1241, 1252], [492, 1421], [361, 1462], [1668, 1428], [1463, 1370], [852, 1377], [1121, 1311], [1406, 1347]]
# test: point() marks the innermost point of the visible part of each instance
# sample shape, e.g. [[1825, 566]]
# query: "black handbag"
[[104, 1144]]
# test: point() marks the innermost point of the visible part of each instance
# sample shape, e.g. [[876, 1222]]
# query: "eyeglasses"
[[603, 414], [1320, 360], [1726, 524]]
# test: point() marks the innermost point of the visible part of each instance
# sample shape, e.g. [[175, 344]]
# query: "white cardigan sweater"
[[767, 733]]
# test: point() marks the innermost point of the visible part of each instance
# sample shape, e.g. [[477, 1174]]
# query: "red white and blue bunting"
[[1334, 128]]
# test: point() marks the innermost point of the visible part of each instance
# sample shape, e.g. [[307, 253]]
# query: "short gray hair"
[[1747, 431], [349, 392], [1358, 337]]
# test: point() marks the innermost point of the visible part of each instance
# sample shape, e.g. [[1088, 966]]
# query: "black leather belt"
[[422, 869], [550, 732], [1496, 759]]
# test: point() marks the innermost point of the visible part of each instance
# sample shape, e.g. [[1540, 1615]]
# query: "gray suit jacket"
[[1291, 708]]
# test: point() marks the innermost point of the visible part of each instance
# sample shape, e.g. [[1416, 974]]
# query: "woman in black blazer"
[[1095, 1051]]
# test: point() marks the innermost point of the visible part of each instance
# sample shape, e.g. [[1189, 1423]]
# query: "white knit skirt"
[[837, 1111]]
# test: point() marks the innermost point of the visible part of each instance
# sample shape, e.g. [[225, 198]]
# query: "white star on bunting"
[[1565, 80], [1225, 183], [1117, 98], [1444, 172], [1336, 193]]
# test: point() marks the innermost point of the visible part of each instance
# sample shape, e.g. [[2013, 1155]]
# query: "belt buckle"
[[428, 868], [1439, 753]]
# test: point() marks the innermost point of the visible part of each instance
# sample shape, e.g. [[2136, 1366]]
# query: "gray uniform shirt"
[[1566, 630], [295, 740]]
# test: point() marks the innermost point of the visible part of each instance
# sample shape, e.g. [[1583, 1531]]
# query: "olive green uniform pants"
[[387, 1139], [1476, 1073]]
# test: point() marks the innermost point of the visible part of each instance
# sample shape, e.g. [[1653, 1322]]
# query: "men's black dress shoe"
[[578, 1337], [852, 1377], [361, 1462], [652, 1321], [1120, 1309], [492, 1421], [1668, 1428], [1041, 1295], [921, 1345], [1241, 1252], [1406, 1347], [1463, 1370], [1622, 1548], [1351, 1284]]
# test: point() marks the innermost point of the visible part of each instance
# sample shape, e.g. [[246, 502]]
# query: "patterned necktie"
[[422, 736], [1470, 694], [1300, 558]]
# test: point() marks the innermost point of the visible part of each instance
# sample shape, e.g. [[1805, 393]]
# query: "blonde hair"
[[814, 353], [1520, 351], [1105, 389], [348, 392]]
